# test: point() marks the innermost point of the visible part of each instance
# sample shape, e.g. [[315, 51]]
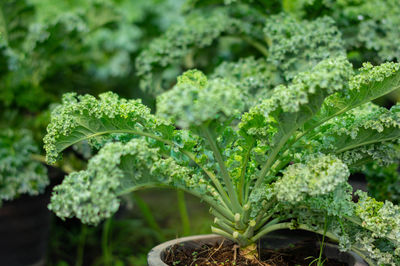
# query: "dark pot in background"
[[358, 182], [24, 230], [276, 240], [25, 226]]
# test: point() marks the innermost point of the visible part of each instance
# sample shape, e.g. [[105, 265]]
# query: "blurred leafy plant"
[[19, 174], [370, 27], [50, 47]]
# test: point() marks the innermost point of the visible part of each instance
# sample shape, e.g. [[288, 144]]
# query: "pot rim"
[[156, 253]]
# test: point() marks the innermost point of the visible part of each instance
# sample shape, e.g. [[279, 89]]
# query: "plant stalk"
[[183, 212], [224, 172], [242, 189], [81, 245], [149, 217], [107, 255]]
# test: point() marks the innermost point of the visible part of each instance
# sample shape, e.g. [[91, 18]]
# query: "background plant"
[[51, 47], [19, 174]]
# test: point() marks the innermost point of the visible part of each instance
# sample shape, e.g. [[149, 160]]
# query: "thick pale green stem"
[[265, 224], [242, 189], [224, 226], [267, 229], [218, 215], [221, 232], [224, 172], [270, 160]]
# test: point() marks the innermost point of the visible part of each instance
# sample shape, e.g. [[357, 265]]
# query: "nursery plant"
[[19, 173], [277, 161], [46, 49]]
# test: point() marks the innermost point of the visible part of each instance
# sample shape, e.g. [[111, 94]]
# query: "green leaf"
[[298, 45], [200, 29], [277, 118], [92, 195], [196, 100], [371, 83], [355, 133], [85, 117], [319, 175]]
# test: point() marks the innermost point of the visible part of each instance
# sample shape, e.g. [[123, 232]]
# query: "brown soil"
[[227, 254]]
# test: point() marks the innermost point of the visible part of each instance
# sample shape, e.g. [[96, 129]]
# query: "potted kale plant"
[[275, 160]]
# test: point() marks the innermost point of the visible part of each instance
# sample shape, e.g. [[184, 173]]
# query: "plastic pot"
[[279, 239], [25, 226], [24, 229]]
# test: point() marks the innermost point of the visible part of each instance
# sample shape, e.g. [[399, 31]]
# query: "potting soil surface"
[[227, 254]]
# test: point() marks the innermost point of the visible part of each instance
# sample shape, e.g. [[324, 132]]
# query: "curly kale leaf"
[[365, 134], [382, 219], [195, 100], [83, 117], [370, 84], [319, 175], [19, 174], [275, 119], [201, 29], [296, 46], [360, 127], [92, 195], [367, 26], [254, 77]]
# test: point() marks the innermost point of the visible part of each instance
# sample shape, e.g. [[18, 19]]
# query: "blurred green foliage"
[[19, 174], [51, 47]]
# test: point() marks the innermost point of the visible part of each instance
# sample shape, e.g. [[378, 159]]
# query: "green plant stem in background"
[[322, 245], [105, 239], [81, 245], [259, 46], [42, 159], [149, 217], [183, 212], [3, 27]]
